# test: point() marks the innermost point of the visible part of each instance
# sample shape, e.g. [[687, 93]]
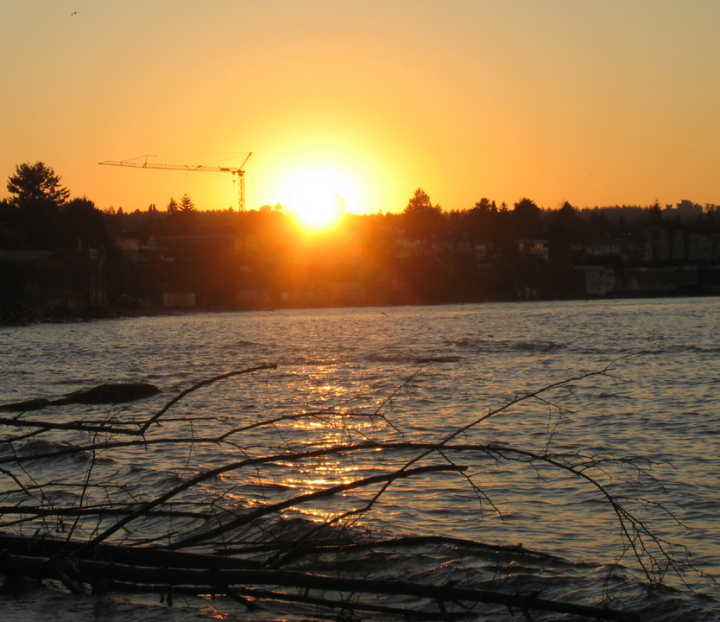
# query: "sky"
[[593, 102]]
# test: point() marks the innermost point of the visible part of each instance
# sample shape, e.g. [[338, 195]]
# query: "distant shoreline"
[[17, 313]]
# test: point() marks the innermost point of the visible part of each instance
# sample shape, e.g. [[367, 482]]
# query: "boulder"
[[111, 393]]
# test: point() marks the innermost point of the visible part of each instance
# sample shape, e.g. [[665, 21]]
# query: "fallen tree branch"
[[89, 571], [159, 524]]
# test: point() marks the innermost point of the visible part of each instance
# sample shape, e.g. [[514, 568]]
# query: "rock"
[[19, 407], [16, 313], [111, 393], [116, 393]]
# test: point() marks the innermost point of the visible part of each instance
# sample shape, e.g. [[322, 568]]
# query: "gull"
[[74, 13]]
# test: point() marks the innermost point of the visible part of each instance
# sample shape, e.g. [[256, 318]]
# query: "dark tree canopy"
[[420, 203], [567, 209], [422, 218], [33, 183], [81, 219], [37, 197], [485, 206], [485, 223], [527, 219], [45, 216]]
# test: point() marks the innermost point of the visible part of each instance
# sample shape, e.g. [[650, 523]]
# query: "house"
[[603, 248], [669, 280], [537, 249], [599, 281]]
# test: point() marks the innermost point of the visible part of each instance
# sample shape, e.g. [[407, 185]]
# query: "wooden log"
[[140, 556], [103, 571]]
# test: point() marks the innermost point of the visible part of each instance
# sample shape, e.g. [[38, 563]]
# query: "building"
[[537, 249]]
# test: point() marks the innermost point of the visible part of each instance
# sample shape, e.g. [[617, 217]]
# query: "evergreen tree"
[[35, 183], [422, 218], [186, 205], [37, 197]]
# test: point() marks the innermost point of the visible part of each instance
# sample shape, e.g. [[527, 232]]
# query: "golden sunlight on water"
[[349, 377]]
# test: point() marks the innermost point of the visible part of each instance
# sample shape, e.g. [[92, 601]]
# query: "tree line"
[[420, 254], [42, 208]]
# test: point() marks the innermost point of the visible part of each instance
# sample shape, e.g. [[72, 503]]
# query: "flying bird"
[[74, 13]]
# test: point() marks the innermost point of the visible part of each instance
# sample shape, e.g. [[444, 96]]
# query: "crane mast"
[[238, 174]]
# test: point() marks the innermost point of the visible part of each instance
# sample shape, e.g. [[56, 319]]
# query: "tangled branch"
[[239, 529]]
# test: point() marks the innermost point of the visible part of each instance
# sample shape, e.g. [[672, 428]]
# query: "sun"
[[318, 196]]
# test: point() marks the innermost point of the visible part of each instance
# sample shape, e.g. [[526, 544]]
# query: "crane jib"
[[238, 173]]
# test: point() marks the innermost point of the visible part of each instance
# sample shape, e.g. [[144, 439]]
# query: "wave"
[[390, 358], [496, 346], [536, 346], [439, 359], [45, 449]]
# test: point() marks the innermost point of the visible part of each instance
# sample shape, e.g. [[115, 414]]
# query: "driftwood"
[[73, 573], [107, 535]]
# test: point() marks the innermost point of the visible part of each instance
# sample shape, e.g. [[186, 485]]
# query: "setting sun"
[[319, 196]]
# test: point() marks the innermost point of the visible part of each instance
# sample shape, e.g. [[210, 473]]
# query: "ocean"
[[639, 425]]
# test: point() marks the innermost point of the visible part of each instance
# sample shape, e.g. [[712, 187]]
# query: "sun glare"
[[319, 196]]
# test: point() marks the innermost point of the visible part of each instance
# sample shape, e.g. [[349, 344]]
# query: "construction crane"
[[237, 173]]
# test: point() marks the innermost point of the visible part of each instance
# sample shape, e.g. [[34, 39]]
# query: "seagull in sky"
[[74, 13]]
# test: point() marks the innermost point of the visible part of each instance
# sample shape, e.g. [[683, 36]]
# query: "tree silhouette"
[[655, 215], [562, 228], [37, 196], [81, 219], [172, 206], [527, 219], [186, 205], [483, 221], [422, 218], [33, 183], [485, 206]]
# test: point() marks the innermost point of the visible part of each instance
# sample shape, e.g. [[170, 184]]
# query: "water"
[[657, 403]]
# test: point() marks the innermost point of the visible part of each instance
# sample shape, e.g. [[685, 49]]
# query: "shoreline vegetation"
[[64, 259], [192, 536]]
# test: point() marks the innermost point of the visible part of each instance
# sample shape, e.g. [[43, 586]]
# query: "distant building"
[[130, 247], [67, 279], [688, 210], [405, 247], [684, 211], [136, 250], [700, 248], [677, 246], [603, 248], [599, 281], [539, 249], [464, 248], [670, 280]]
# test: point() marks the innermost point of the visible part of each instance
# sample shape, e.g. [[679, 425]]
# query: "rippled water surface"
[[659, 401]]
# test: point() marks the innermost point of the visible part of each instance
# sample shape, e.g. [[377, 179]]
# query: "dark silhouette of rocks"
[[110, 393], [27, 405]]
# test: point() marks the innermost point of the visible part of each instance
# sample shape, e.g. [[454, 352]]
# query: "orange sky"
[[597, 103]]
